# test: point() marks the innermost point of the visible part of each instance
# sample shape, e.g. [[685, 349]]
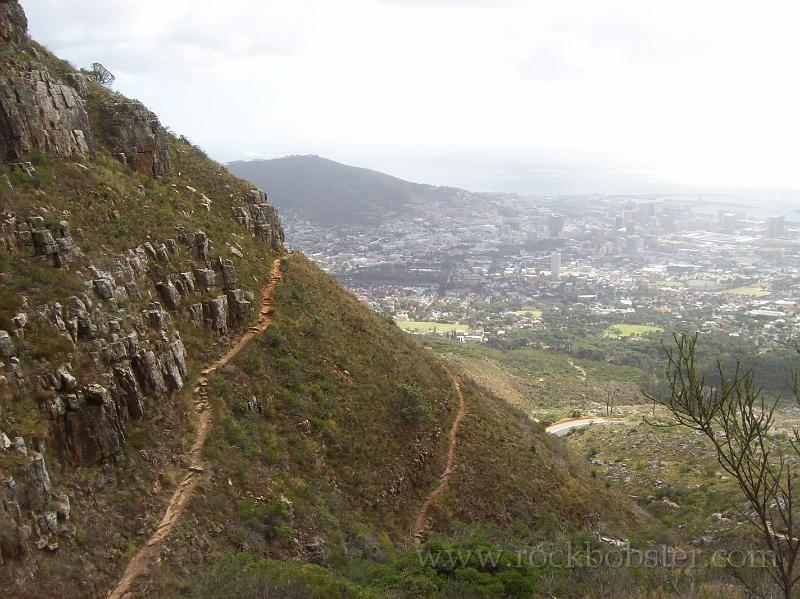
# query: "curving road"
[[564, 427]]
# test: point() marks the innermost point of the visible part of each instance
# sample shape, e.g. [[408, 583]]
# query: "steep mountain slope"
[[325, 191], [127, 260], [129, 263], [334, 428]]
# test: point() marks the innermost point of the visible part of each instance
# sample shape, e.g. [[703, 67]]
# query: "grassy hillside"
[[321, 454], [546, 385], [669, 472], [115, 504], [111, 467], [325, 191]]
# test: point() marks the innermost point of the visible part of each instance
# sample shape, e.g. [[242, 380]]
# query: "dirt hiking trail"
[[580, 370], [422, 516], [149, 552]]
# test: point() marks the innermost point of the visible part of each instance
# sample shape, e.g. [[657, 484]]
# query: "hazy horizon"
[[531, 97]]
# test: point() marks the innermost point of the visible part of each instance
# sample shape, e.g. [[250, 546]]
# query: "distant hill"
[[325, 191]]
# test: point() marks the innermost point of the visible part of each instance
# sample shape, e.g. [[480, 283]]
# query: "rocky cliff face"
[[13, 24], [136, 137], [131, 357], [36, 111], [83, 360]]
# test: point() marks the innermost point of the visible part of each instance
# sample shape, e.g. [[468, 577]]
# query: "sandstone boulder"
[[96, 429], [104, 288], [205, 278], [148, 373], [128, 392], [239, 309], [157, 318], [226, 273], [215, 314], [169, 294], [201, 245], [7, 348], [261, 218]]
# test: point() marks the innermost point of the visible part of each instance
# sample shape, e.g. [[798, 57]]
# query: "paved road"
[[564, 427]]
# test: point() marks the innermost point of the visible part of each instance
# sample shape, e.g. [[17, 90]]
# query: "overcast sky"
[[478, 93]]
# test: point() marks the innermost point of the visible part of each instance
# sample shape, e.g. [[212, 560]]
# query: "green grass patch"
[[528, 313], [615, 331], [748, 291], [430, 326], [238, 576]]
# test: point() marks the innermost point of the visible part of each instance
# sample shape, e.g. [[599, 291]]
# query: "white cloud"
[[701, 91]]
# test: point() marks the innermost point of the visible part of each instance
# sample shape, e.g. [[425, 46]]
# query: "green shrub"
[[42, 342], [272, 518], [239, 406], [235, 435], [242, 575], [414, 408], [252, 364], [39, 157]]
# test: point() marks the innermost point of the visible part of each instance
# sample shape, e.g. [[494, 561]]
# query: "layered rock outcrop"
[[261, 218], [13, 23], [135, 355], [31, 513], [136, 137], [103, 350], [36, 111], [31, 237]]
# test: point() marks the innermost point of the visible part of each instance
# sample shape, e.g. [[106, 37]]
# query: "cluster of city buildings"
[[499, 263]]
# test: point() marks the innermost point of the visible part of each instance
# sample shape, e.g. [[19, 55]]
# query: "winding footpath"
[[149, 553], [580, 370], [422, 516]]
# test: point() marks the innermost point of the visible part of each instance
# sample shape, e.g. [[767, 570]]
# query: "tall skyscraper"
[[555, 264], [628, 216], [667, 219]]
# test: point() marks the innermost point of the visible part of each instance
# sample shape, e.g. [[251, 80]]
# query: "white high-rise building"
[[555, 264]]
